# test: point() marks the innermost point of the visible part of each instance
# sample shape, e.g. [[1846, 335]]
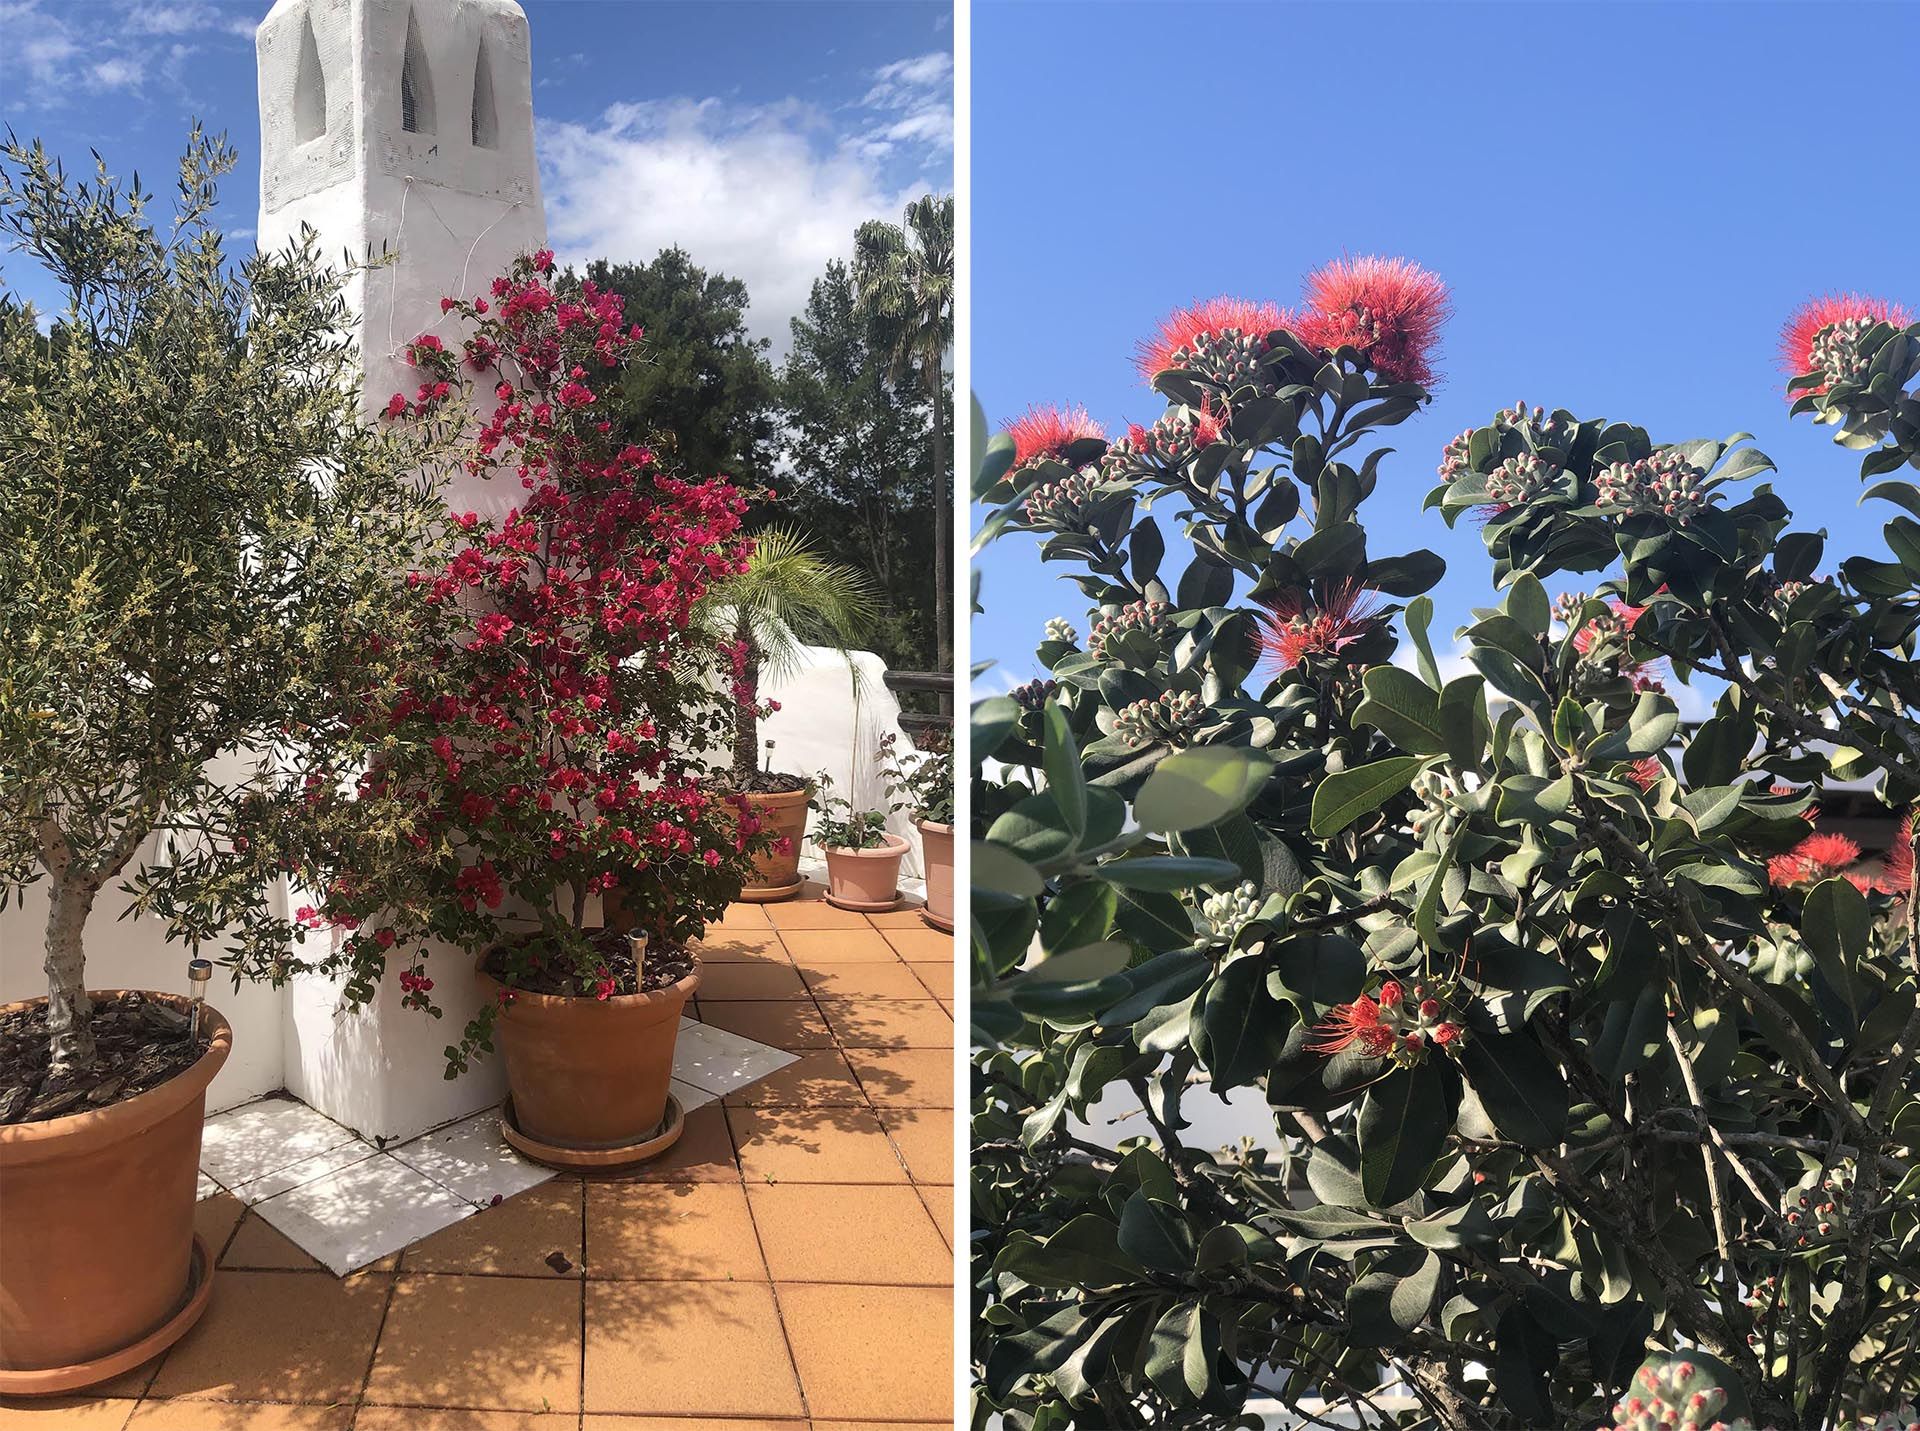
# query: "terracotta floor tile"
[[511, 1343], [889, 980], [939, 1203], [704, 1154], [520, 1237], [261, 1246], [238, 1416], [63, 1413], [214, 1218], [925, 1139], [872, 1351], [783, 1023], [741, 946], [814, 1145], [905, 917], [676, 1232], [905, 1077], [285, 1336], [818, 1078], [839, 946], [412, 1418], [889, 1023], [814, 1232], [744, 916], [814, 914], [923, 945], [874, 1425], [692, 1423], [937, 977], [679, 1348], [760, 979]]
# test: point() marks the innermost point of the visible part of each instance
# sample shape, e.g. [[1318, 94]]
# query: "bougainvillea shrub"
[[548, 741], [1586, 1055]]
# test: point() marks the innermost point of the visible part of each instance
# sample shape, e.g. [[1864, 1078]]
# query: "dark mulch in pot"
[[524, 967], [140, 1044], [764, 782]]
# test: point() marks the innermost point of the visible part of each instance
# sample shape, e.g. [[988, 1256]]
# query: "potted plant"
[[788, 597], [560, 830], [922, 780], [863, 856], [175, 596]]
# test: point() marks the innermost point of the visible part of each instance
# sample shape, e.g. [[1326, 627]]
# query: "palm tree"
[[788, 597], [903, 275]]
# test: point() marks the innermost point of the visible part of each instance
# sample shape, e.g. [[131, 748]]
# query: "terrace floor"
[[788, 1265]]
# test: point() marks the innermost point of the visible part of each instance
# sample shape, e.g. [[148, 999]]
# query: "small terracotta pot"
[[98, 1253], [777, 876], [936, 848], [867, 880], [589, 1075]]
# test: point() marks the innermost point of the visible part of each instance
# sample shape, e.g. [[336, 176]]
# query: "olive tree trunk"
[[746, 723], [71, 892]]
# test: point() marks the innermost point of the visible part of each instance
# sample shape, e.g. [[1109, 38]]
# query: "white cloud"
[[119, 73], [51, 50], [766, 194]]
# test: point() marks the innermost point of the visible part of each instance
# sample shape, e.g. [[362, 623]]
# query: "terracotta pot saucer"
[[52, 1380], [945, 926], [862, 906], [768, 893], [595, 1159]]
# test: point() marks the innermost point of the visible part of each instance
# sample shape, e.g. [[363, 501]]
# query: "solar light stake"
[[637, 946], [198, 972]]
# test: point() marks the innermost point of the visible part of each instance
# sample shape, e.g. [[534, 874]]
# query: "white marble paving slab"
[[307, 1170], [361, 1213], [720, 1061], [691, 1097], [263, 1137], [471, 1160]]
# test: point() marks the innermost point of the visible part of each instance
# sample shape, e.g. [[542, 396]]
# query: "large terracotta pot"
[[867, 880], [588, 1078], [98, 1269], [777, 876], [936, 850]]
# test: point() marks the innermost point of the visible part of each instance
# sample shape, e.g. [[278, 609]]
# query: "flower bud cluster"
[[1520, 479], [1665, 484], [1818, 1212], [1224, 915], [1060, 629], [1836, 350], [1229, 358], [1677, 1397], [1132, 636], [1401, 1024], [1171, 717], [1034, 694], [1436, 816], [1063, 506]]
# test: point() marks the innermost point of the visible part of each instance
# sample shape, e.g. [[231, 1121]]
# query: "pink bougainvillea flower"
[[1183, 329], [1293, 628], [1800, 348], [1391, 309], [1048, 432]]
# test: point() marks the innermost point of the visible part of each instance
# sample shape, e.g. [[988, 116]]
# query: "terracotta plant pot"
[[936, 848], [867, 880], [588, 1078], [98, 1267], [777, 876]]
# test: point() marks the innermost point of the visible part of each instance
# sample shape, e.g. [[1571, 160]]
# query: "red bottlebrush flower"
[[1799, 335], [1815, 858], [1049, 431], [1391, 309], [1294, 629], [1184, 327], [1586, 636], [1646, 771], [1348, 1024]]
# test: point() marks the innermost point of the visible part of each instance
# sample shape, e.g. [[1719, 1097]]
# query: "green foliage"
[[196, 530], [1546, 1006]]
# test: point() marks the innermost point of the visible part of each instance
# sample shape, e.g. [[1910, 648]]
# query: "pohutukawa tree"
[[194, 523], [1589, 1064]]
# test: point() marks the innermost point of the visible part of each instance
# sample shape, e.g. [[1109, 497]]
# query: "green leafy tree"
[[1588, 1067], [859, 479], [903, 275], [197, 532], [706, 394]]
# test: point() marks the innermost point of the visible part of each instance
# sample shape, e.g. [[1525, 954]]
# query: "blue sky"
[[1627, 200], [757, 134]]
